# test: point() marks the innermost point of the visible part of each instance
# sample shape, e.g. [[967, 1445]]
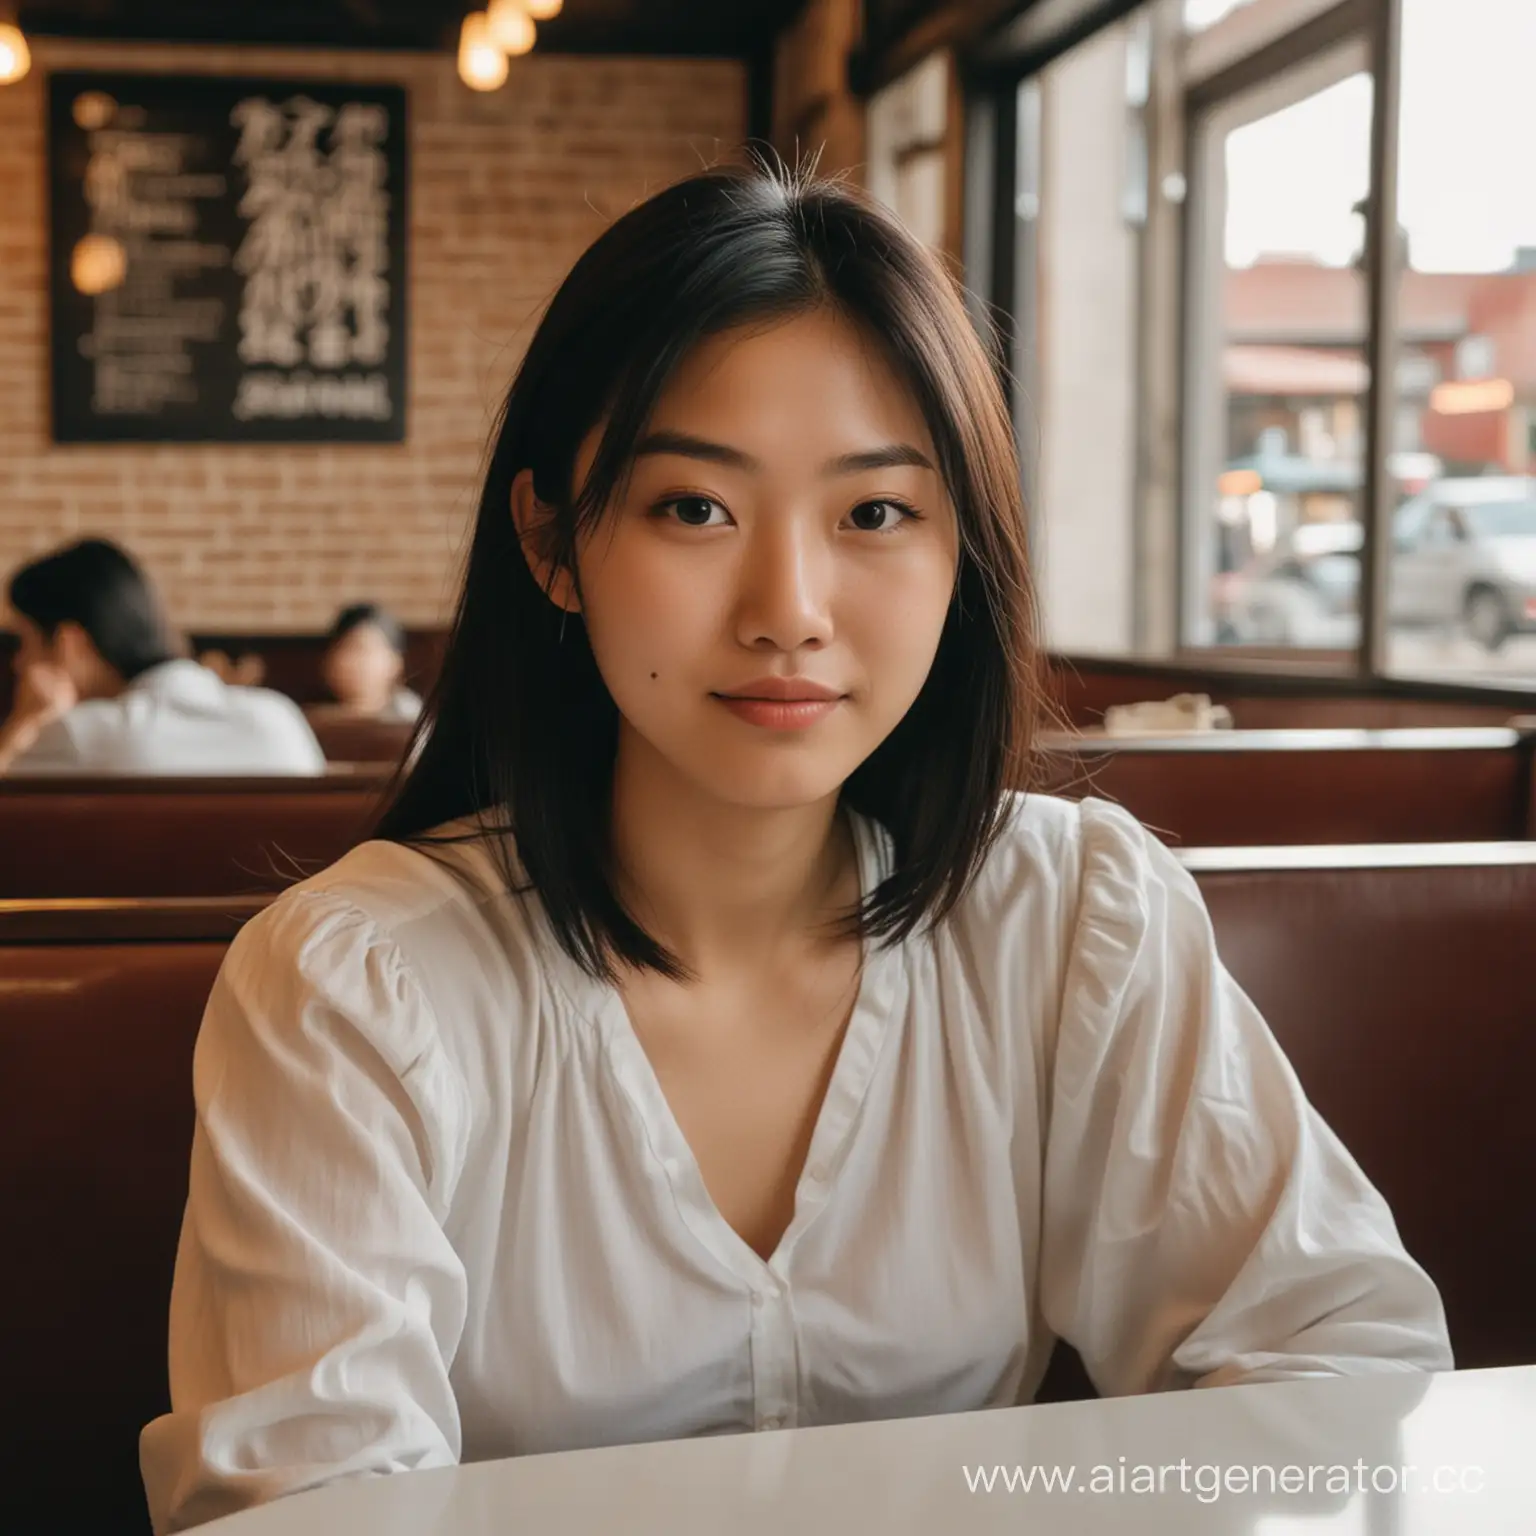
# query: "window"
[[1246, 366], [1276, 378], [1465, 301], [1200, 14]]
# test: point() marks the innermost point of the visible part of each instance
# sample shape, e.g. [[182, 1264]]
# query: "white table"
[[1473, 1432]]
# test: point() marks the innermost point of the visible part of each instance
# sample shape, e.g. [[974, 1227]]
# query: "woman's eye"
[[880, 516], [692, 511]]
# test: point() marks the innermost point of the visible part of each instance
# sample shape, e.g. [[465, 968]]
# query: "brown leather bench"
[[352, 739], [177, 837], [99, 1008], [1221, 788], [292, 663], [1400, 980]]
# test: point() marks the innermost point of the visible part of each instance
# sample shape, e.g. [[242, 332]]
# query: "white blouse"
[[440, 1210]]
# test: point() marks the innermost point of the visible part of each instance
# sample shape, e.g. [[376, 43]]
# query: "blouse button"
[[757, 1298]]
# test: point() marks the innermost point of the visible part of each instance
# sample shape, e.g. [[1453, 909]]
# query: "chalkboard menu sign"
[[228, 259]]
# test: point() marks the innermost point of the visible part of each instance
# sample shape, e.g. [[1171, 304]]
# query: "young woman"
[[715, 1040]]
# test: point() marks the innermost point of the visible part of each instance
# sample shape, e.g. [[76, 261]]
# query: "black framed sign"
[[228, 259]]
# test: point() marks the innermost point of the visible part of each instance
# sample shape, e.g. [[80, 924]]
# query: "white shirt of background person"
[[178, 718]]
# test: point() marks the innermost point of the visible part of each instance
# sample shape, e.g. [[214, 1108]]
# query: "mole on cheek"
[[653, 674]]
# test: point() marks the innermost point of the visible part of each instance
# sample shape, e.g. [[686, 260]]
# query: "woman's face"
[[785, 521], [362, 668]]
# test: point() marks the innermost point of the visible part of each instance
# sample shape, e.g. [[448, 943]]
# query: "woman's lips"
[[778, 714]]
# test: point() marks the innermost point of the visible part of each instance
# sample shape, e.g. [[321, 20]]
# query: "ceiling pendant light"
[[511, 25], [15, 56], [482, 64]]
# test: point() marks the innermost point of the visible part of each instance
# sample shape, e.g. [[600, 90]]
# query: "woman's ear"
[[534, 521]]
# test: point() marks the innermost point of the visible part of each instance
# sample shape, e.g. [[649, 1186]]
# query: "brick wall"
[[506, 190]]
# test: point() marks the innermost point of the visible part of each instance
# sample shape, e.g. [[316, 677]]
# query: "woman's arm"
[[317, 1303], [1202, 1224]]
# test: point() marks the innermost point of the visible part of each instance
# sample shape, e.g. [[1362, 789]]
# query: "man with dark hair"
[[100, 688]]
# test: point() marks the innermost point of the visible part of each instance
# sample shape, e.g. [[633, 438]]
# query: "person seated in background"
[[364, 667], [100, 689]]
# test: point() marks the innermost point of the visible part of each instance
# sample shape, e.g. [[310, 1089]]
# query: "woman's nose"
[[785, 588]]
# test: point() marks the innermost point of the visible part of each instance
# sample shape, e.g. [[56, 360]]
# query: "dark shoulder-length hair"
[[521, 732]]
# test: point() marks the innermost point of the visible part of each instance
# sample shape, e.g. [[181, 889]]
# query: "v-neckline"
[[671, 1153]]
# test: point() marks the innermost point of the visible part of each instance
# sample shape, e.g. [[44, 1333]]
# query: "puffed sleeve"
[[317, 1303], [1201, 1224]]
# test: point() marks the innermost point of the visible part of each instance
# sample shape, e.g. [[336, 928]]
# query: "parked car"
[[1463, 552], [1303, 592], [1466, 550]]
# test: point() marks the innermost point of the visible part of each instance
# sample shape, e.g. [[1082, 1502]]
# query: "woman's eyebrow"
[[892, 456], [685, 445]]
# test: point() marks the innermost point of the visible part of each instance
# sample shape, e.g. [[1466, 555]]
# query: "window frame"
[[1325, 51], [1212, 70]]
